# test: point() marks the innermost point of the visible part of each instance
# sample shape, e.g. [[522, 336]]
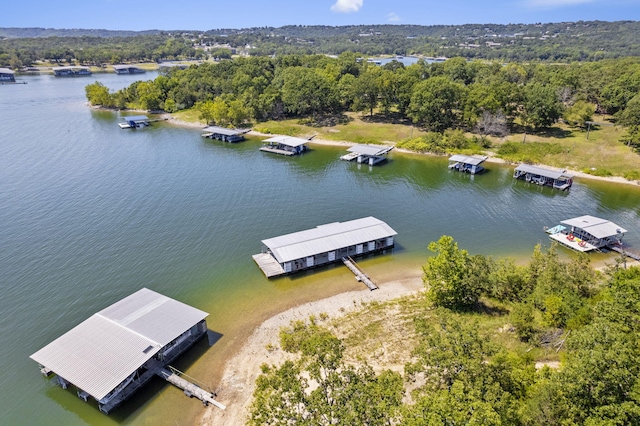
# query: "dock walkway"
[[620, 250], [359, 273], [172, 376]]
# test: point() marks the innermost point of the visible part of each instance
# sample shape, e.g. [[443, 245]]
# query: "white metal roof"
[[286, 140], [370, 149], [474, 161], [599, 228], [6, 71], [102, 351], [222, 130], [135, 118], [327, 237], [553, 174]]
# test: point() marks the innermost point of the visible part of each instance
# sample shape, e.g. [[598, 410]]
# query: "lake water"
[[91, 213]]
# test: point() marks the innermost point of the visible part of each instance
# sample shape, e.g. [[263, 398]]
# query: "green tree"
[[447, 278], [319, 388], [540, 108], [579, 113], [436, 103], [98, 94]]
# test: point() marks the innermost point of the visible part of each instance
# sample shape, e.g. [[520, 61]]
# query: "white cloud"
[[553, 4], [347, 6], [392, 17]]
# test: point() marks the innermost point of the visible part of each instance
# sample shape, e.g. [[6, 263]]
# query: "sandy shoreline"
[[490, 159], [236, 387]]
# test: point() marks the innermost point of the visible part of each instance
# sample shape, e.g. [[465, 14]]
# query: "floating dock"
[[113, 353], [223, 134], [284, 145], [367, 154], [324, 245], [466, 164], [134, 121], [588, 233], [557, 179]]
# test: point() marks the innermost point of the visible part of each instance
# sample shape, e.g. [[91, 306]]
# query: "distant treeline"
[[550, 42], [485, 97]]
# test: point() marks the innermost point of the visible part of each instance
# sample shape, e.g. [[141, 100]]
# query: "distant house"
[[7, 75]]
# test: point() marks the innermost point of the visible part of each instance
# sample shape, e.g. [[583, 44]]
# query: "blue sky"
[[212, 14]]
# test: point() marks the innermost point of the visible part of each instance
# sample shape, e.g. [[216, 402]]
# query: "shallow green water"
[[91, 213]]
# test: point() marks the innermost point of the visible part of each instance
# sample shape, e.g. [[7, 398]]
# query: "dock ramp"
[[175, 377], [359, 273]]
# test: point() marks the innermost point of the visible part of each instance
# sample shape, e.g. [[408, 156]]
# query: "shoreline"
[[490, 159], [235, 388]]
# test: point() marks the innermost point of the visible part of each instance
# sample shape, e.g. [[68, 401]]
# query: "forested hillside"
[[551, 42]]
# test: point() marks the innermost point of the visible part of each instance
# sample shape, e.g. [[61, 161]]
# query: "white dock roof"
[[466, 159], [370, 149], [599, 228], [286, 140], [136, 118], [102, 351], [329, 237], [553, 174], [222, 130]]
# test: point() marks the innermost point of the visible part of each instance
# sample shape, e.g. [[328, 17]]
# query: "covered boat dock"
[[71, 71], [323, 245], [116, 351], [284, 145], [587, 233], [7, 75], [134, 121], [368, 154], [127, 69], [557, 179], [223, 134], [466, 163]]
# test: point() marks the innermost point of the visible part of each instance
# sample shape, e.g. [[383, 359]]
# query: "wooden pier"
[[623, 251], [359, 273], [174, 376], [268, 264]]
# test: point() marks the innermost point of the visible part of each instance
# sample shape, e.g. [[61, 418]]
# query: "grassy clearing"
[[601, 155], [384, 334]]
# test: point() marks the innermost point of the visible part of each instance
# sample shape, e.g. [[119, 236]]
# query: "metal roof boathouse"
[[127, 69], [466, 163], [587, 233], [558, 179], [323, 245], [368, 154], [117, 350], [134, 121], [223, 134], [284, 145]]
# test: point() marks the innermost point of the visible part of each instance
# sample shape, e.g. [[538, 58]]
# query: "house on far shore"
[[284, 145], [7, 75], [557, 179], [368, 154], [127, 69]]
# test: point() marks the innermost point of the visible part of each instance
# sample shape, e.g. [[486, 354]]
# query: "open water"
[[90, 213]]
